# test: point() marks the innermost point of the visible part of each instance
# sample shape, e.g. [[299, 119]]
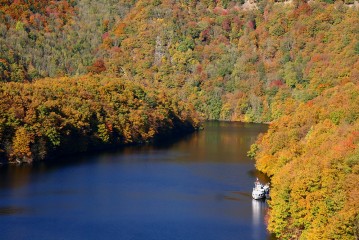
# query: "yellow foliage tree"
[[21, 145]]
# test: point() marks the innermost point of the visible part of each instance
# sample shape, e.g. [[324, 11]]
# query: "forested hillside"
[[231, 62], [68, 115], [149, 66], [235, 64], [312, 154]]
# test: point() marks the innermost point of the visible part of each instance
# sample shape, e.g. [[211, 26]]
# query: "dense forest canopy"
[[53, 38], [68, 115], [120, 71]]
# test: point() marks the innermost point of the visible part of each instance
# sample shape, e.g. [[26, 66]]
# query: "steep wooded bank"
[[67, 115], [312, 154]]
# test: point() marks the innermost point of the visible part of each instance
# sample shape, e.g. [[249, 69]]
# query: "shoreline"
[[159, 139]]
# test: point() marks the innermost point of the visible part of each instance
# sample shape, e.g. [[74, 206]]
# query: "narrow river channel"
[[198, 187]]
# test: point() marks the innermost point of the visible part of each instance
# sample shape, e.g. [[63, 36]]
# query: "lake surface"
[[198, 187]]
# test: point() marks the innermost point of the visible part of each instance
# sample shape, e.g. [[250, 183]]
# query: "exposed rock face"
[[249, 5]]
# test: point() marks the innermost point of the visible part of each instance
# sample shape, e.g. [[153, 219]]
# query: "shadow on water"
[[16, 175], [263, 178], [12, 210]]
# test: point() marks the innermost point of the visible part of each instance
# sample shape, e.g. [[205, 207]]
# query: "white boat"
[[260, 191]]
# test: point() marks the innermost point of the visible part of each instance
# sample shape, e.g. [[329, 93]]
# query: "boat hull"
[[260, 191], [258, 195]]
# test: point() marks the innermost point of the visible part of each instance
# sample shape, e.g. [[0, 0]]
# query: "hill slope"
[[312, 154]]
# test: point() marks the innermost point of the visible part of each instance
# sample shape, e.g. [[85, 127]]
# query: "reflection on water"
[[11, 210], [198, 187], [258, 210]]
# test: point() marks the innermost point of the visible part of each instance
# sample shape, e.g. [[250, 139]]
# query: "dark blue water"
[[197, 187]]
